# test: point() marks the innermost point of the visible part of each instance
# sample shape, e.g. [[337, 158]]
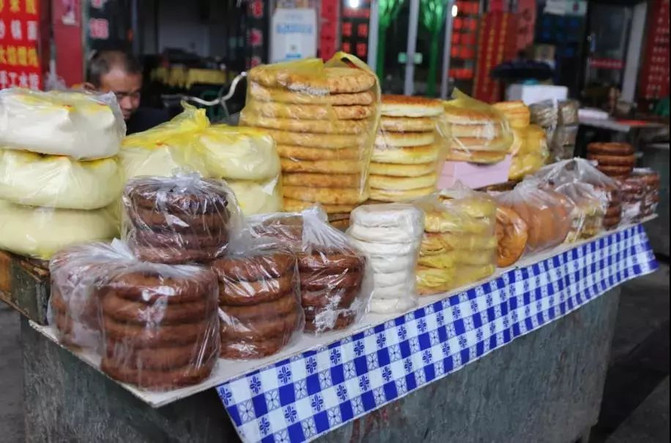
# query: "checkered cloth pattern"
[[307, 395]]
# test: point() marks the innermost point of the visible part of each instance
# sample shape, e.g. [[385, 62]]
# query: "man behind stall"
[[121, 73]]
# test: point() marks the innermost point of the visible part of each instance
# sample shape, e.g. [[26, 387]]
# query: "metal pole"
[[408, 87], [447, 47], [373, 30]]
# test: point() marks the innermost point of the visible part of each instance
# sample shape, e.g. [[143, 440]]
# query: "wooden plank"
[[24, 285]]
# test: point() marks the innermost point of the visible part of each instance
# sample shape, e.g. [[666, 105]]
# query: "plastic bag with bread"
[[512, 234], [323, 117], [590, 205], [532, 152], [479, 133], [547, 213], [260, 308]]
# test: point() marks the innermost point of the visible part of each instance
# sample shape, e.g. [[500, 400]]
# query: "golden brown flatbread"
[[407, 124], [331, 80], [325, 141], [309, 112], [400, 170], [306, 126], [331, 196], [323, 166], [302, 153], [407, 155], [318, 180], [261, 93], [406, 106]]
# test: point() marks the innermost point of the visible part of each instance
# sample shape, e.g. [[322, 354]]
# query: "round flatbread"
[[407, 155], [336, 80], [458, 155], [487, 131], [404, 139], [309, 112], [481, 144], [293, 205], [306, 126], [386, 195], [402, 183], [398, 170], [323, 166], [261, 93], [332, 196], [326, 141], [407, 124], [322, 180], [406, 106], [303, 153], [470, 116]]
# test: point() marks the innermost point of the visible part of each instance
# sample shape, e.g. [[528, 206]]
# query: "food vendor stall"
[[376, 292]]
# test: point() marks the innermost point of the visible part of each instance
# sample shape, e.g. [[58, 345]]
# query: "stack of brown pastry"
[[259, 302], [614, 159], [408, 145], [160, 326], [650, 180], [323, 118]]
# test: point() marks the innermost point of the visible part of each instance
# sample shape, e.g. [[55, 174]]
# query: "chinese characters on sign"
[[19, 37]]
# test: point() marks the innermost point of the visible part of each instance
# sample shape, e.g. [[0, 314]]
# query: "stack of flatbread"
[[479, 133], [408, 145], [323, 119]]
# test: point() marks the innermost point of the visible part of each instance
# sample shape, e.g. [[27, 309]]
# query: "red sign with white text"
[[19, 42]]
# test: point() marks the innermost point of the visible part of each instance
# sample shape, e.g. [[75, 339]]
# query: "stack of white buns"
[[59, 174], [390, 235]]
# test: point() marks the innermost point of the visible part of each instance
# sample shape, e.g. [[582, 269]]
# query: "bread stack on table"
[[59, 173], [409, 144], [616, 160], [323, 117]]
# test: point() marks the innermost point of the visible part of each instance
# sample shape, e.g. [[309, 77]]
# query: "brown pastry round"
[[614, 211], [344, 320], [329, 261], [141, 336], [512, 233], [261, 329], [613, 160], [145, 218], [610, 148], [119, 353], [255, 266], [243, 350], [172, 256], [280, 307], [289, 229], [159, 379], [244, 293], [139, 313], [317, 281], [611, 222], [340, 297], [194, 241], [616, 171], [175, 195]]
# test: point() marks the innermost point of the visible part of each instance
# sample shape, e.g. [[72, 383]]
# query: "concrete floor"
[[636, 395]]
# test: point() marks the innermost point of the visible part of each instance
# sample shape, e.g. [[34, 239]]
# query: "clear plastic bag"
[[409, 148], [512, 234], [516, 112], [323, 117], [459, 241], [41, 232], [84, 126], [546, 213], [651, 199], [74, 303], [179, 219], [160, 325], [479, 133], [390, 235], [589, 208], [259, 298], [59, 182], [532, 153]]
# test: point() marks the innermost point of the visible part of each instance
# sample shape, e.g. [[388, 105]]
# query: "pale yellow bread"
[[516, 112], [332, 196], [407, 106], [293, 205], [386, 195], [306, 126], [486, 131], [408, 155], [399, 170], [433, 281], [402, 183], [303, 153], [458, 257], [322, 180], [434, 243], [309, 112], [449, 221], [479, 144], [407, 124], [457, 155], [328, 166], [333, 80], [261, 93], [326, 141], [396, 139], [471, 116]]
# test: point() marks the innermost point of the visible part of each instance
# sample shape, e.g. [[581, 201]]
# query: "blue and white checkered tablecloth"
[[315, 392]]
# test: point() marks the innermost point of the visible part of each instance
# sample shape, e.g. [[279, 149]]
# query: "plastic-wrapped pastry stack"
[[323, 117], [650, 181], [614, 159], [245, 157], [589, 209], [478, 132], [529, 148], [410, 142], [59, 174], [459, 242], [559, 119], [390, 235]]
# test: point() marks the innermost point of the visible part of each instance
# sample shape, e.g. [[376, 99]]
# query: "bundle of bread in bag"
[[59, 172]]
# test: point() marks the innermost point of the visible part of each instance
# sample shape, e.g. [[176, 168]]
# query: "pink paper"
[[474, 175]]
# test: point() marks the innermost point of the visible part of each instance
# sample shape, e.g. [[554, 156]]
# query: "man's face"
[[126, 87]]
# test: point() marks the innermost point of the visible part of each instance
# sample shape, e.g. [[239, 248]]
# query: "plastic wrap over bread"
[[74, 303], [259, 298], [160, 325], [409, 150], [390, 236], [651, 180], [285, 227], [547, 213], [323, 118], [179, 219], [459, 241], [590, 205], [59, 182], [41, 232], [512, 233], [531, 153], [479, 133], [80, 125]]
